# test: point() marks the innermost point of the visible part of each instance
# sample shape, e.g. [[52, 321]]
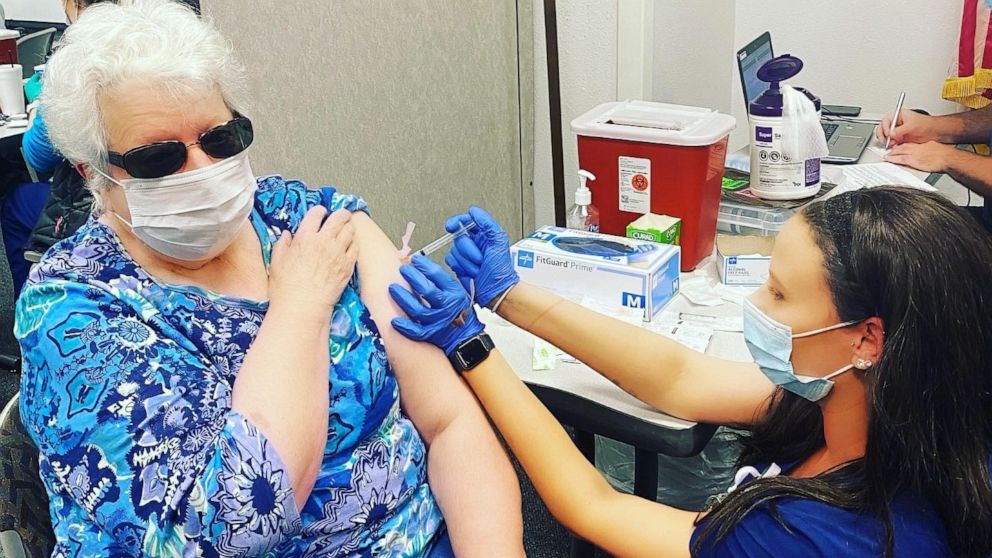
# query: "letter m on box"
[[632, 300]]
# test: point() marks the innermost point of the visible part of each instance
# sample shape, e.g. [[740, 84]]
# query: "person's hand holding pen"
[[910, 127]]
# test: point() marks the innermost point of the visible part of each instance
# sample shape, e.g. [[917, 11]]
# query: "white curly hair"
[[160, 43]]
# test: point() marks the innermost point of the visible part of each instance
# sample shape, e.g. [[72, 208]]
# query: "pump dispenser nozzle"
[[583, 196]]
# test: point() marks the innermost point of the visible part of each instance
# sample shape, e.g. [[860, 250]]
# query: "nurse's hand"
[[911, 127], [440, 311], [482, 255]]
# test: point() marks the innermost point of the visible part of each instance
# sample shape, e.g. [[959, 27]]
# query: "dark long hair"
[[925, 268]]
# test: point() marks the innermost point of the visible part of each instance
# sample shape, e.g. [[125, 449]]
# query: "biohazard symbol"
[[639, 182]]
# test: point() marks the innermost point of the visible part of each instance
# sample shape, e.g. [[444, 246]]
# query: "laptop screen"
[[749, 59]]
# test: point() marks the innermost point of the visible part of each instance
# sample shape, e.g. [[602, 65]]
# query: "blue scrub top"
[[38, 149], [806, 527]]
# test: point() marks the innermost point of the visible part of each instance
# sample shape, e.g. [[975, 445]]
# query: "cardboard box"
[[744, 260], [609, 269], [656, 228]]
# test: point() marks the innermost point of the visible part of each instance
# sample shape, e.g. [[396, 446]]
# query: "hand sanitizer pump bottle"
[[583, 216]]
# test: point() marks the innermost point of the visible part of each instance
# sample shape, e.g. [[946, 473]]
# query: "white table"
[[8, 132]]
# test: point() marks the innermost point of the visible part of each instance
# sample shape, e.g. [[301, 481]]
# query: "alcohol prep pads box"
[[609, 269], [744, 260]]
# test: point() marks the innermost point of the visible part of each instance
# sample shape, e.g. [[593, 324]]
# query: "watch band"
[[471, 352]]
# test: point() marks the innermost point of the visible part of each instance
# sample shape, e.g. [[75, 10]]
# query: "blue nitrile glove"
[[482, 255], [447, 305], [32, 88]]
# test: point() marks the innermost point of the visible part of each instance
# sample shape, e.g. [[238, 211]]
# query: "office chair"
[[33, 49], [25, 523]]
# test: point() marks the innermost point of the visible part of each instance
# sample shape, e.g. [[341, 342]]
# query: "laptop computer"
[[846, 139]]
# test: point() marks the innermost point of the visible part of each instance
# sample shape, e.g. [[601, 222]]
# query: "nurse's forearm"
[[574, 491], [638, 361], [566, 481], [282, 388]]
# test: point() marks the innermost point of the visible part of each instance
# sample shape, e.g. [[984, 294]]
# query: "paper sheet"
[[734, 294], [695, 335], [699, 291], [879, 150], [733, 324], [856, 177]]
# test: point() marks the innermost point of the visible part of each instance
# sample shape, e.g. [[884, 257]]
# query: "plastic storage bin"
[[738, 218], [656, 158]]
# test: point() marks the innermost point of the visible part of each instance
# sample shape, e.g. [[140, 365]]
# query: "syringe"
[[444, 240]]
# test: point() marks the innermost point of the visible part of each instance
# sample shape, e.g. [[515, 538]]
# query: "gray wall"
[[417, 105]]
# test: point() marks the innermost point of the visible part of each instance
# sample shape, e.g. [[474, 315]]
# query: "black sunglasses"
[[163, 158]]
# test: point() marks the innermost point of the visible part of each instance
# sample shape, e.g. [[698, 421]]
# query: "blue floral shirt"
[[127, 392]]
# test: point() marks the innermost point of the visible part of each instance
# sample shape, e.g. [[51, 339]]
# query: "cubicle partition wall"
[[421, 106]]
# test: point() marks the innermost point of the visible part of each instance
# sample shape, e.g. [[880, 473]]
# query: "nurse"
[[868, 408]]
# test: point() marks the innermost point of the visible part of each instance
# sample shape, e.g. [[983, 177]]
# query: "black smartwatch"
[[471, 352]]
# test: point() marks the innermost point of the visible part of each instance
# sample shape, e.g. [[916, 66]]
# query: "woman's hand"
[[482, 255], [446, 319], [309, 270]]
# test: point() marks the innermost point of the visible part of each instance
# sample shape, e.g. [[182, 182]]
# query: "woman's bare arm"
[[656, 370], [470, 474]]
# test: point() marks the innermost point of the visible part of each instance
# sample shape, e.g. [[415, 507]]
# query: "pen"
[[895, 118]]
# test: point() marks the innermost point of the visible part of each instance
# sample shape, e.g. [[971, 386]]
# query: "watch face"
[[468, 355], [473, 352]]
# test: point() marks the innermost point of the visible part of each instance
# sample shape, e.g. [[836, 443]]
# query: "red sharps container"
[[656, 158]]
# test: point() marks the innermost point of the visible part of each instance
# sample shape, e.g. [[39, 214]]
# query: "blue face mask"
[[770, 343]]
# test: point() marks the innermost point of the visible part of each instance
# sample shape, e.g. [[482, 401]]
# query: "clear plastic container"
[[738, 218], [686, 483]]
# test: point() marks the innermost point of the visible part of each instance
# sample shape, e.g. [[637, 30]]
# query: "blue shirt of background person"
[[39, 152]]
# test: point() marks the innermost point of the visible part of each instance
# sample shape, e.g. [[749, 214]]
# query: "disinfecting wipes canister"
[[774, 173], [787, 141]]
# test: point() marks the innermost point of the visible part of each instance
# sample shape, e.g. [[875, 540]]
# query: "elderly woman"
[[203, 371]]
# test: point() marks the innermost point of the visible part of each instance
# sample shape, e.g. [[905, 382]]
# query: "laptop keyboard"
[[829, 128]]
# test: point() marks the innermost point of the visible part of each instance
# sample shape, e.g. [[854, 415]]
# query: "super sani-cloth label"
[[635, 185], [777, 172]]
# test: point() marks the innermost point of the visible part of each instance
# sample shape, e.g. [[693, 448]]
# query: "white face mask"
[[192, 216]]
